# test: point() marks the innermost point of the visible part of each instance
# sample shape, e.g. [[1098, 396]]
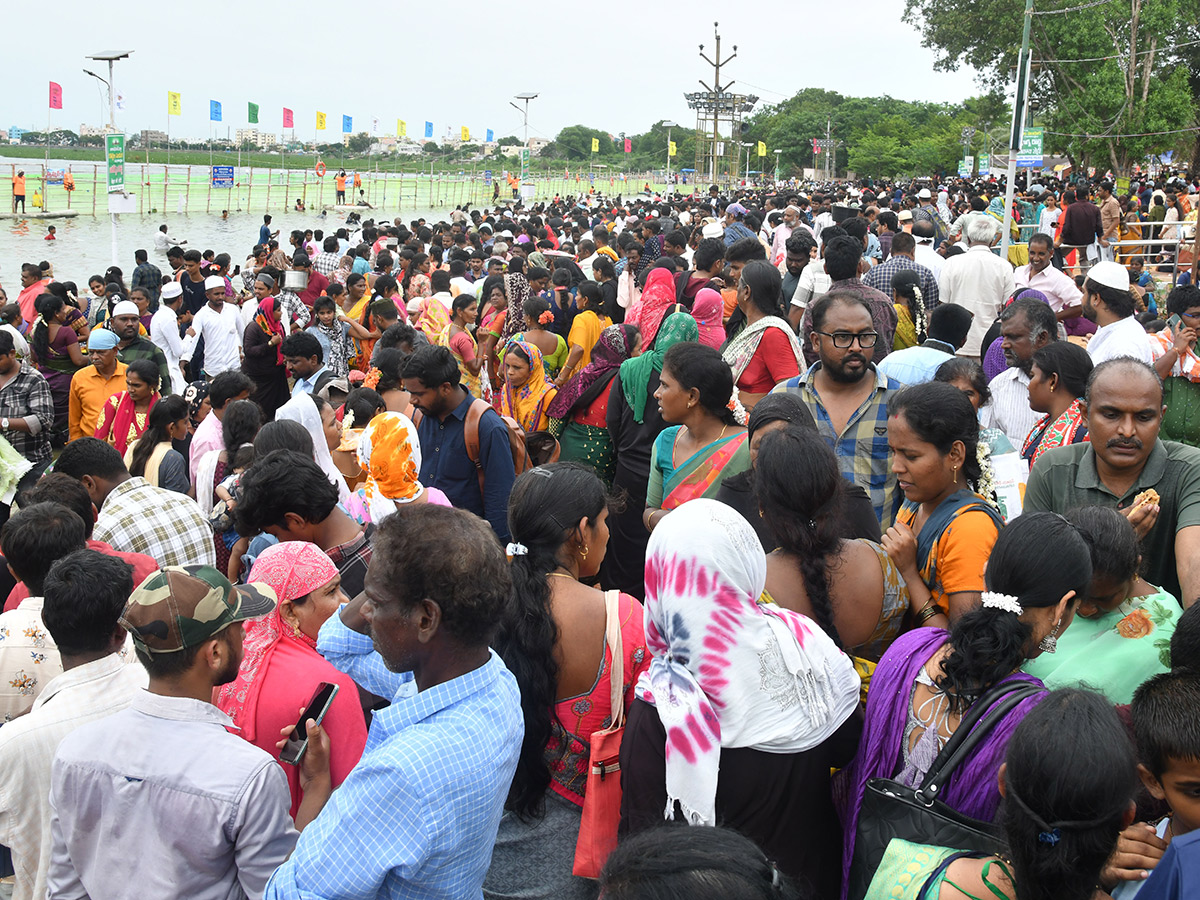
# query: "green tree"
[[359, 143], [509, 141]]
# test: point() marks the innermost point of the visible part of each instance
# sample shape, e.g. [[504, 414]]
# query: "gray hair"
[[981, 228]]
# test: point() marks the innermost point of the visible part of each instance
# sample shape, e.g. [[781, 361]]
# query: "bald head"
[[1124, 370]]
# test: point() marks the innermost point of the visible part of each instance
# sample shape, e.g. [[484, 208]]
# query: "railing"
[[1170, 249]]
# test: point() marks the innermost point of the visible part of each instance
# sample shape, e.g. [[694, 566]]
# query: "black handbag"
[[892, 810]]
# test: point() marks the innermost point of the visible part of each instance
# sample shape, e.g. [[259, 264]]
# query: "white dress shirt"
[[164, 331], [1009, 410], [980, 281], [930, 259], [27, 747], [1125, 337], [1057, 285], [222, 332]]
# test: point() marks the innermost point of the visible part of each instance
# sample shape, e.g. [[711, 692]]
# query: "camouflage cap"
[[183, 606]]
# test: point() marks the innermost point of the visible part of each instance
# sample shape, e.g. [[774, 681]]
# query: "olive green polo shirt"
[[1066, 478]]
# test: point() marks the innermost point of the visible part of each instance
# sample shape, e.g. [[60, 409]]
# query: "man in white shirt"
[[220, 325], [164, 242], [84, 595], [164, 331], [1065, 298], [977, 279], [1026, 325], [924, 254], [1108, 303]]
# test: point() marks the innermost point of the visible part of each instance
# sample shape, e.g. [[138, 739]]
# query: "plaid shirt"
[[417, 817], [139, 518], [142, 348], [326, 263], [862, 451], [352, 559], [293, 308], [880, 278], [148, 277], [28, 396]]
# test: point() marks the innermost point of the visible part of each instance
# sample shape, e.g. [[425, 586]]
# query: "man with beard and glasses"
[[1026, 326], [848, 397], [1124, 459], [203, 812]]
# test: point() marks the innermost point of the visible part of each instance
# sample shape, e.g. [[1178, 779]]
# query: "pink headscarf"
[[292, 569], [708, 310], [657, 297]]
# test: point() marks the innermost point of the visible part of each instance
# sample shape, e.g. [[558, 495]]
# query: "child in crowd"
[[333, 335], [50, 229]]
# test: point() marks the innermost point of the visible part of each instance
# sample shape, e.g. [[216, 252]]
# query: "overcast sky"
[[619, 65]]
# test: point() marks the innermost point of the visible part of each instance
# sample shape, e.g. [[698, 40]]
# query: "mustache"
[[1125, 444], [854, 356]]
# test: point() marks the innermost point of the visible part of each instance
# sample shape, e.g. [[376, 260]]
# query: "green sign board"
[[524, 163], [115, 154], [1031, 148]]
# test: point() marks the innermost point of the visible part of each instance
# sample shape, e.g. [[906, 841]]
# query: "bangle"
[[927, 613]]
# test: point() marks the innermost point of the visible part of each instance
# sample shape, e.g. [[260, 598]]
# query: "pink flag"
[[287, 118], [628, 145], [55, 96]]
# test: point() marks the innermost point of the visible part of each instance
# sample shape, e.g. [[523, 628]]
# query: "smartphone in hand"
[[314, 711]]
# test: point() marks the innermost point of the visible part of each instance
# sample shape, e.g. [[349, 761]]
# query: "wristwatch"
[[4, 424]]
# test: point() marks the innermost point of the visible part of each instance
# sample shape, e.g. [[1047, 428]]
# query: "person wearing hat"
[[203, 812], [219, 324], [735, 228], [926, 211], [1108, 302], [126, 322], [164, 332], [92, 385]]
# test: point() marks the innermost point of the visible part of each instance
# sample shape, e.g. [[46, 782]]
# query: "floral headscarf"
[[516, 288], [194, 395], [527, 403], [635, 373], [267, 319], [390, 453], [613, 347], [726, 670]]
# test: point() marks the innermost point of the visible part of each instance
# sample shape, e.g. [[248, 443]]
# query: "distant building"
[[262, 139], [92, 131], [149, 137], [536, 145], [15, 133]]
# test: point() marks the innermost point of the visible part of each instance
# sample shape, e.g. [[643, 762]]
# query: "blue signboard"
[[487, 176], [222, 176]]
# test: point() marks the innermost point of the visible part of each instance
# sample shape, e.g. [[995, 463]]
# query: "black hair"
[[950, 323], [1111, 540], [38, 535], [411, 269], [47, 306], [589, 296], [766, 287], [1185, 642], [1038, 315], [533, 308], [472, 586], [390, 362], [798, 488], [1070, 362], [1164, 724], [1062, 819], [461, 302], [84, 594], [226, 386], [1182, 298], [283, 434], [708, 253], [820, 308], [701, 367], [147, 370], [364, 404], [1038, 558], [907, 284], [1120, 303], [544, 510], [800, 243], [842, 255], [175, 663], [55, 487], [692, 862], [90, 456], [302, 345], [241, 423], [783, 407], [282, 482], [165, 413], [324, 303], [745, 250], [433, 366], [962, 369]]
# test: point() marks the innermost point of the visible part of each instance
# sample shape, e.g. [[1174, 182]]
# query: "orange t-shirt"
[[960, 554], [19, 184], [340, 181]]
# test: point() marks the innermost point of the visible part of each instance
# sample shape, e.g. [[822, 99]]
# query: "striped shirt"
[[1009, 408], [862, 451]]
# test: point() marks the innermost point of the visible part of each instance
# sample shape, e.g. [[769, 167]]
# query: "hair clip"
[[541, 470], [516, 550], [1006, 602], [1051, 837]]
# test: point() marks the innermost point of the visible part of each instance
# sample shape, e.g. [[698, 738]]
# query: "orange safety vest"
[[340, 181], [69, 181], [19, 184], [357, 180]]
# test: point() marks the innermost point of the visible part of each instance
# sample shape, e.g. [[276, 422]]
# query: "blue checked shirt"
[[417, 817], [862, 451]]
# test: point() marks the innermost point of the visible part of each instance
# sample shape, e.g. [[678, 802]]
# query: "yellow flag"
[[670, 148], [174, 106], [466, 133], [762, 149], [595, 145], [320, 121], [401, 128]]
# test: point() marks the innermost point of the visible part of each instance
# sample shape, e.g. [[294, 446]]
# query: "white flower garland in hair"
[[919, 319], [986, 487], [735, 406], [1006, 602], [348, 419]]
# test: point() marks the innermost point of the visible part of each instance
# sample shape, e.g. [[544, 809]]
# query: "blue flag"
[[428, 129], [489, 135], [347, 124], [214, 111]]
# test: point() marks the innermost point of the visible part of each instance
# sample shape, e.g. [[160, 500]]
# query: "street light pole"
[[111, 56], [1018, 127], [669, 126], [777, 152]]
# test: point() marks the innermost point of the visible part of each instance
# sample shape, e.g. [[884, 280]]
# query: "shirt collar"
[[881, 379], [96, 670], [433, 700], [312, 379], [460, 411], [1088, 477], [935, 344], [179, 709]]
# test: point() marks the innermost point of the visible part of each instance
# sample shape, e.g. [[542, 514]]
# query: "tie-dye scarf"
[[727, 671]]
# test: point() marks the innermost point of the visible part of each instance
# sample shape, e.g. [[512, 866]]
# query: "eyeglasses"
[[844, 340]]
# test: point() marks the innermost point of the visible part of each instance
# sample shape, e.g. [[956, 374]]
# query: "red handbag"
[[602, 797]]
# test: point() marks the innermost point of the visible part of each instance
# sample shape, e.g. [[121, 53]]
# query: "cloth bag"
[[602, 798], [894, 810]]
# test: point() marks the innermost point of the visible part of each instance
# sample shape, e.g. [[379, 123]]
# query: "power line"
[[1120, 136], [1068, 9], [1165, 50]]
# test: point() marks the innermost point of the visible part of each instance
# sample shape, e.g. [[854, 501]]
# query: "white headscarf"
[[303, 409], [728, 671]]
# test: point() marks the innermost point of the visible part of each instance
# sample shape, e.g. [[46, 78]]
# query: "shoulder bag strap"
[[616, 671], [974, 727]]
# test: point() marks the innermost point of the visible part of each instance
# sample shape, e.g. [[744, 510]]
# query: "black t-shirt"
[[193, 294]]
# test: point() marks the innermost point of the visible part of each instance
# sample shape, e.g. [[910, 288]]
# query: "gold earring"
[[583, 551], [954, 469], [296, 630]]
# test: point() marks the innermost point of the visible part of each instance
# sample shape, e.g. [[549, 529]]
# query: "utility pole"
[[1018, 128], [669, 126], [717, 88]]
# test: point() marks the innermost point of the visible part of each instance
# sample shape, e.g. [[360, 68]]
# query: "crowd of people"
[[639, 548]]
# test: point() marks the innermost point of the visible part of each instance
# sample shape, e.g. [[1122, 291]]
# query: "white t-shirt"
[[1125, 337], [222, 333]]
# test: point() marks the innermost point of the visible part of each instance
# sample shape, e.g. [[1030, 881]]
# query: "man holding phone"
[[203, 813]]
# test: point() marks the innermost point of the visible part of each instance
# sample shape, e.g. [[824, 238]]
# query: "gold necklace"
[[560, 575]]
